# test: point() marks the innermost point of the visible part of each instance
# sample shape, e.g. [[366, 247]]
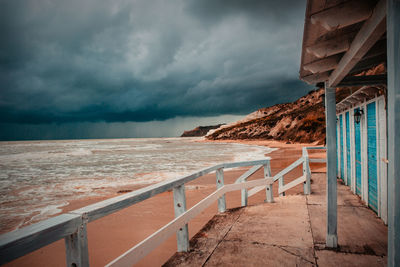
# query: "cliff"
[[301, 121], [200, 131]]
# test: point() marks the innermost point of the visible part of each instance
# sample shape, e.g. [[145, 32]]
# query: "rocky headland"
[[200, 131]]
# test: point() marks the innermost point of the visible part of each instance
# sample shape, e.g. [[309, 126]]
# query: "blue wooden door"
[[357, 147], [348, 171], [341, 147], [372, 157]]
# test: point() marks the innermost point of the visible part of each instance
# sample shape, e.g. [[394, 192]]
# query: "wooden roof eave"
[[358, 97], [334, 68]]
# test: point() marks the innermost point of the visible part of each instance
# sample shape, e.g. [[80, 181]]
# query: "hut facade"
[[361, 129], [343, 42]]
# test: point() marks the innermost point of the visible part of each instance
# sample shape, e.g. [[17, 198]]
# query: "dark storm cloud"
[[115, 61]]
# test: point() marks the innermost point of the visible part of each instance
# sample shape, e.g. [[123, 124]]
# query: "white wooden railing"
[[72, 225]]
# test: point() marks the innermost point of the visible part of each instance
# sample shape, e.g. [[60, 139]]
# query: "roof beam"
[[369, 34], [331, 47], [368, 63], [343, 15], [322, 65], [363, 80], [316, 78]]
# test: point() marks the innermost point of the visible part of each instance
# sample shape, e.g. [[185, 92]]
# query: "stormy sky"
[[137, 68]]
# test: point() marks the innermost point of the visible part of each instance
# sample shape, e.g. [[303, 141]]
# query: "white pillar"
[[331, 184], [182, 235], [393, 69]]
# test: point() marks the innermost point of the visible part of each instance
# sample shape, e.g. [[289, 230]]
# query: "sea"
[[38, 178]]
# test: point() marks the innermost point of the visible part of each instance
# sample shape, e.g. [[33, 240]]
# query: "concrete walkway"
[[290, 232]]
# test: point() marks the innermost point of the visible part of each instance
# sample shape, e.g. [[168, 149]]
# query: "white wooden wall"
[[352, 152], [382, 160], [338, 145]]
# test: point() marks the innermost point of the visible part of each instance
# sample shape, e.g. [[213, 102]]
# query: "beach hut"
[[355, 44], [362, 133]]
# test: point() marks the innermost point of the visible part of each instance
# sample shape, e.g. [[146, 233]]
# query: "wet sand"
[[112, 235]]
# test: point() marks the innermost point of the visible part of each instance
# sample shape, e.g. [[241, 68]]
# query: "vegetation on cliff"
[[302, 121]]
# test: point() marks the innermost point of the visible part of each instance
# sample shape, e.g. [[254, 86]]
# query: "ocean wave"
[[45, 176]]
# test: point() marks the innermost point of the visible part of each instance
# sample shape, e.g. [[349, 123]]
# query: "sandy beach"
[[114, 234]]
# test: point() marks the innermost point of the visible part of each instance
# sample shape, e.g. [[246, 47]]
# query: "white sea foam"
[[37, 178]]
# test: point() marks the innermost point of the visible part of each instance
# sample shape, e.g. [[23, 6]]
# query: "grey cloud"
[[116, 61]]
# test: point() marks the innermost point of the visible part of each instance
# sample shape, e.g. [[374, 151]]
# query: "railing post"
[[306, 172], [281, 184], [182, 235], [76, 247], [244, 197], [268, 189], [220, 183]]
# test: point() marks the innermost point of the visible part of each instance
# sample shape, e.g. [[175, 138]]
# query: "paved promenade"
[[290, 232]]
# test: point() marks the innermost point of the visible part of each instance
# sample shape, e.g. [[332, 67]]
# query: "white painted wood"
[[383, 158], [292, 184], [182, 234], [220, 183], [136, 253], [317, 160], [103, 208], [316, 148], [352, 152], [278, 175], [281, 184], [108, 206], [339, 149], [25, 240], [306, 172], [244, 197], [249, 184], [378, 153], [365, 153], [248, 173], [331, 183], [268, 189], [393, 110], [76, 247], [289, 168], [245, 163], [243, 177], [344, 154], [255, 190], [371, 31]]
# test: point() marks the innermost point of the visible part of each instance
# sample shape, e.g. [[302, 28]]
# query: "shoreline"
[[114, 234]]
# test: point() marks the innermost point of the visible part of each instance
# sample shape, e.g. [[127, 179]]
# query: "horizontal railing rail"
[[72, 225]]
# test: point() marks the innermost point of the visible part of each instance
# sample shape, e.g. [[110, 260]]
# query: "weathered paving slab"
[[318, 196], [266, 223], [239, 253], [334, 259], [206, 240], [290, 232], [359, 229]]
